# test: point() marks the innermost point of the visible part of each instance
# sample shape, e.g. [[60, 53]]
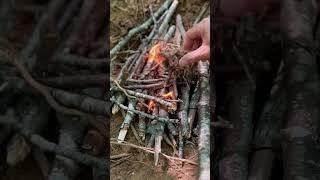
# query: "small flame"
[[151, 106], [154, 54], [168, 96]]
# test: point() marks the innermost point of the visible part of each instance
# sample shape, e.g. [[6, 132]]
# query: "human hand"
[[197, 42]]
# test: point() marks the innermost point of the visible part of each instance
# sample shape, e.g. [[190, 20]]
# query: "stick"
[[87, 104], [146, 86], [44, 90], [160, 126], [299, 152], [52, 147], [177, 36], [135, 134], [180, 25], [138, 29], [119, 156], [76, 80], [167, 18], [183, 110], [237, 140], [120, 98], [146, 96], [170, 33], [204, 8], [35, 39], [128, 118], [204, 121], [80, 61], [193, 107], [145, 80], [180, 143], [152, 117], [168, 141], [70, 133], [34, 115], [149, 150], [268, 129]]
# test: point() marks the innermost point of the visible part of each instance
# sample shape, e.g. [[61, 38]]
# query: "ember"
[[151, 106]]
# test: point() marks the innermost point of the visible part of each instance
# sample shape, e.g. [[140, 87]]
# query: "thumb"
[[202, 53]]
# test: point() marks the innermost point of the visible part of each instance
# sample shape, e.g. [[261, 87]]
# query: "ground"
[[140, 164]]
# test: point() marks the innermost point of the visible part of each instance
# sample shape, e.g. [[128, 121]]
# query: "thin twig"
[[145, 114], [146, 86], [204, 8], [150, 150], [135, 134], [138, 29], [119, 156], [149, 97], [145, 80], [122, 89]]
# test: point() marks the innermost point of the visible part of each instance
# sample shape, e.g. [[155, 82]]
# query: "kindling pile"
[[155, 95]]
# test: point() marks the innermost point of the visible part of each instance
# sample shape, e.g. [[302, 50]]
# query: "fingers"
[[202, 53], [192, 35]]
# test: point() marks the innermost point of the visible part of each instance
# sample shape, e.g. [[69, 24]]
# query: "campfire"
[[157, 98]]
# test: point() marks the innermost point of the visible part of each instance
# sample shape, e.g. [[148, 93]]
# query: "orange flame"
[[169, 95], [151, 106], [154, 54]]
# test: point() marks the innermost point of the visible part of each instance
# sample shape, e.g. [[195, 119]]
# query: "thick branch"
[[52, 147], [300, 137]]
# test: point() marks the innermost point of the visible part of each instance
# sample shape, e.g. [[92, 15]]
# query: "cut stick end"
[[122, 135], [115, 109], [157, 149]]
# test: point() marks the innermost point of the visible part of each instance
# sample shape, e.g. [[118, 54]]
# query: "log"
[[80, 61], [267, 131], [79, 25], [47, 146], [70, 136], [37, 38], [76, 81], [34, 114], [236, 141], [300, 136], [83, 102]]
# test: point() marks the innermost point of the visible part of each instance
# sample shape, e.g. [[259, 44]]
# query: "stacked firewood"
[[163, 98]]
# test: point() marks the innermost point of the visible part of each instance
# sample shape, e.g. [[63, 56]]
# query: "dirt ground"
[[140, 164]]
